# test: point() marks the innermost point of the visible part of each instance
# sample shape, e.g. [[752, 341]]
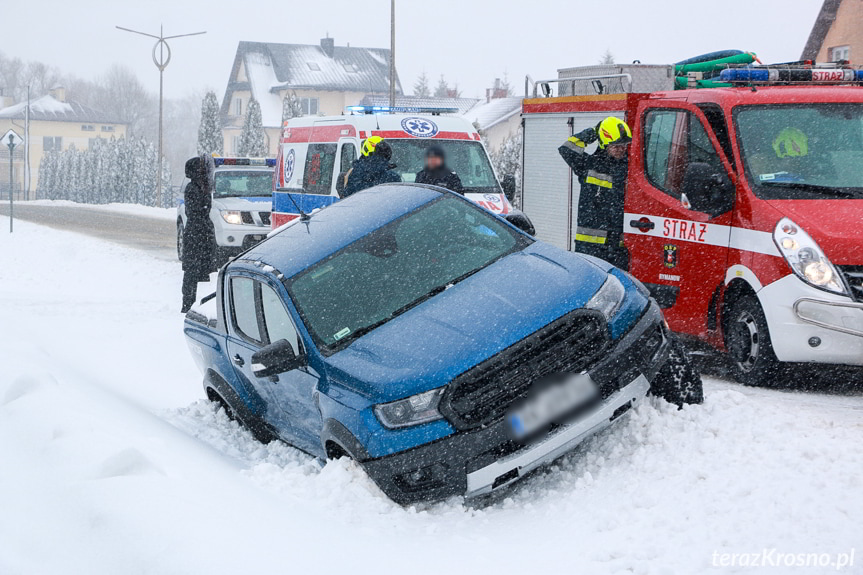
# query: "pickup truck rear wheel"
[[750, 349], [256, 427], [678, 382]]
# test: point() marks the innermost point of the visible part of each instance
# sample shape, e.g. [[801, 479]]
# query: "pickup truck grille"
[[854, 277], [485, 392], [247, 218], [265, 218]]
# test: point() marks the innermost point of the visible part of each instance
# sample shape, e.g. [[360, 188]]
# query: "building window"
[[313, 66], [310, 106], [88, 128], [238, 106], [351, 68], [107, 128], [50, 144], [840, 53]]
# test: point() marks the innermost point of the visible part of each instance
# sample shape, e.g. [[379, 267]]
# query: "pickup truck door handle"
[[641, 225], [238, 360]]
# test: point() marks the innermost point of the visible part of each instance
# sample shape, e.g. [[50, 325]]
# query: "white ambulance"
[[317, 152]]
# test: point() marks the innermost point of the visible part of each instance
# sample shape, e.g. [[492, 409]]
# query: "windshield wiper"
[[814, 188], [359, 332]]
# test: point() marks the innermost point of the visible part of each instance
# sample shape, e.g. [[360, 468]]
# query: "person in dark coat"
[[199, 235], [602, 176], [372, 168], [436, 172]]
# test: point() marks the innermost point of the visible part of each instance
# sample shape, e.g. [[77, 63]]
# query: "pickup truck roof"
[[300, 244]]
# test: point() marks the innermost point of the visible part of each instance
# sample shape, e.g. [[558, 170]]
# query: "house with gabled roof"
[[55, 124], [837, 33], [323, 78]]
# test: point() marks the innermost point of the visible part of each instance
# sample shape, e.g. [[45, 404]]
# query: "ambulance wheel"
[[747, 339], [678, 382], [180, 241]]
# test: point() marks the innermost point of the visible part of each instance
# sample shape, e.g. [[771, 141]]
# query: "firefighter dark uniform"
[[602, 177]]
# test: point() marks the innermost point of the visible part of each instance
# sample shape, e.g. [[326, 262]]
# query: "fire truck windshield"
[[465, 157], [802, 151]]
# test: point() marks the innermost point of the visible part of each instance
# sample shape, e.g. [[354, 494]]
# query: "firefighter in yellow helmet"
[[602, 177], [372, 168]]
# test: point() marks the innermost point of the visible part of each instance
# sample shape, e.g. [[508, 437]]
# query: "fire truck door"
[[679, 208]]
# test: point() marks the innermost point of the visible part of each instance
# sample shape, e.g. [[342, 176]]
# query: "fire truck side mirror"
[[508, 185], [708, 190]]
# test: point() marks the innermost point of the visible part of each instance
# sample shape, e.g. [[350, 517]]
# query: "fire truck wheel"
[[747, 340], [678, 382]]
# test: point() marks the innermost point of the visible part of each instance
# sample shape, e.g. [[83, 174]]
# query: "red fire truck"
[[744, 203]]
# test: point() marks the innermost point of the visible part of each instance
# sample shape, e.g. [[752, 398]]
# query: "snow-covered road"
[[111, 463]]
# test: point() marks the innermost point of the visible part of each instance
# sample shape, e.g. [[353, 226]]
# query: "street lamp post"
[[11, 143], [161, 58]]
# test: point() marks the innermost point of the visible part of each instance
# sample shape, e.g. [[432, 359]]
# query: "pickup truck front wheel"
[[678, 381], [256, 427]]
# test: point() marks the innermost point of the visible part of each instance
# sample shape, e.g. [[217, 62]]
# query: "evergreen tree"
[[210, 140], [506, 86], [607, 57], [253, 140], [291, 107], [421, 88], [507, 158], [442, 89]]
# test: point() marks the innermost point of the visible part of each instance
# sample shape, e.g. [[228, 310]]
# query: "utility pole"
[[392, 53], [12, 140], [161, 61]]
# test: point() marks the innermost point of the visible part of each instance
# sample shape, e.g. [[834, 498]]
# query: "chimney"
[[328, 45], [58, 93]]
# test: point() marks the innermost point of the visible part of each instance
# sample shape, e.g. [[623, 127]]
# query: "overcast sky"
[[471, 41]]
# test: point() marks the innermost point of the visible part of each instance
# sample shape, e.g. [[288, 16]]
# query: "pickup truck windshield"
[[465, 157], [397, 267], [802, 151], [243, 184]]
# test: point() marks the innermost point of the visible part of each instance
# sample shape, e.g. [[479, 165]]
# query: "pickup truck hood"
[[431, 344], [252, 204], [837, 226]]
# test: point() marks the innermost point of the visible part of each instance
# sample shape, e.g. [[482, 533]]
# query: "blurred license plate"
[[555, 400]]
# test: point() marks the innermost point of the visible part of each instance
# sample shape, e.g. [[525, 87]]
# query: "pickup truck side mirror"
[[708, 190], [508, 185], [276, 358]]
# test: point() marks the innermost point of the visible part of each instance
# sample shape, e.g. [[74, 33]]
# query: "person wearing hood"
[[372, 168], [436, 172], [199, 235]]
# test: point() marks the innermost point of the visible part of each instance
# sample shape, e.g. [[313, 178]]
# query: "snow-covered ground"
[[130, 209], [110, 462]]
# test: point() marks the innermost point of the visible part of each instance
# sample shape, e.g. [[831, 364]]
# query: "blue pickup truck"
[[443, 349]]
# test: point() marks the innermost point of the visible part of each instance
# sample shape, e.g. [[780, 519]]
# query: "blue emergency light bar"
[[269, 162], [768, 75], [400, 110]]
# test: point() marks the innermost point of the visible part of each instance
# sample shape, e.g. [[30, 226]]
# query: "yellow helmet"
[[791, 143], [613, 131], [370, 144]]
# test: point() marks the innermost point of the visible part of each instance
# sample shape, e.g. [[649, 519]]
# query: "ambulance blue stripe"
[[282, 202]]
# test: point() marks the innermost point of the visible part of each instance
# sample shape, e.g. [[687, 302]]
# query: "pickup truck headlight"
[[805, 257], [413, 410], [232, 217], [609, 297]]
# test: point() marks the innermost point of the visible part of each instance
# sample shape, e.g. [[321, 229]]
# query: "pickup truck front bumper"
[[478, 462]]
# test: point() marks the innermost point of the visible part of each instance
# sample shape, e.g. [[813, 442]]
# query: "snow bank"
[[132, 209], [110, 461]]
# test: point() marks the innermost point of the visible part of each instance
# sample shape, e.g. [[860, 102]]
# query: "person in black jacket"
[[372, 168], [199, 236], [436, 172], [602, 176]]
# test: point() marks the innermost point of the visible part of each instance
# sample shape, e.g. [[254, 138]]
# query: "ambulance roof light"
[[400, 110], [269, 162]]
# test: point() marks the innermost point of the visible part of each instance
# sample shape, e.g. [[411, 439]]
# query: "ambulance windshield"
[[244, 183], [803, 151], [466, 158]]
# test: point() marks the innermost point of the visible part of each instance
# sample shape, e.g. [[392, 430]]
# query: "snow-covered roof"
[[463, 104], [271, 68], [48, 108], [489, 114]]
